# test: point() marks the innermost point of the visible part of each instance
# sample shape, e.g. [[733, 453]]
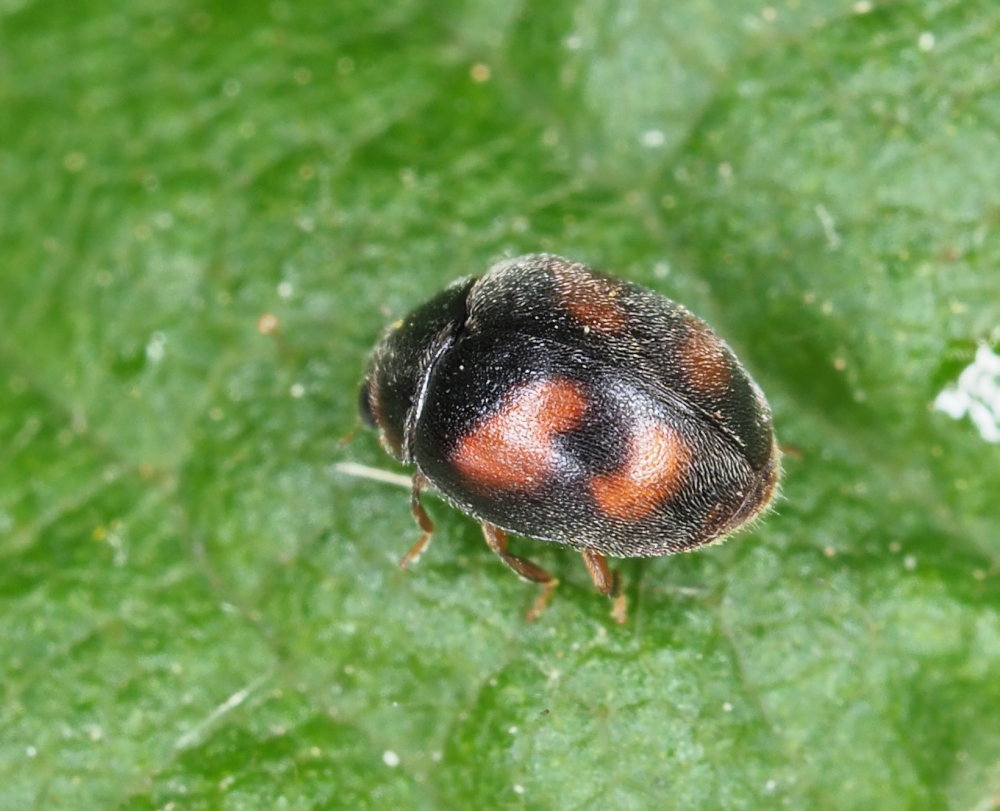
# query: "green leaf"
[[200, 608]]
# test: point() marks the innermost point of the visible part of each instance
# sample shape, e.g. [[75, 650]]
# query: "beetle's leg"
[[497, 540], [607, 582], [423, 519]]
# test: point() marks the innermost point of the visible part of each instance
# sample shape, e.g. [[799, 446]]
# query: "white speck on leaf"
[[976, 394], [653, 138], [390, 758], [926, 41], [156, 347]]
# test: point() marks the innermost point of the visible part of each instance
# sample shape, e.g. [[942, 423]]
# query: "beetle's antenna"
[[373, 473]]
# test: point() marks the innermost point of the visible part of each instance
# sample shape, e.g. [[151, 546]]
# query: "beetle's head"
[[403, 360]]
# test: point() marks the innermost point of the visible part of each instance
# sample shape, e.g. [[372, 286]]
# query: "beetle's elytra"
[[556, 402]]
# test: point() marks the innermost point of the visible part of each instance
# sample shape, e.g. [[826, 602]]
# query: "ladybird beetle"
[[552, 401]]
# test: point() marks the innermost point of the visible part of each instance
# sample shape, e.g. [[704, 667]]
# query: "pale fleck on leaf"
[[211, 211]]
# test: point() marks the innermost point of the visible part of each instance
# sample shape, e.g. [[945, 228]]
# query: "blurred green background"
[[198, 609]]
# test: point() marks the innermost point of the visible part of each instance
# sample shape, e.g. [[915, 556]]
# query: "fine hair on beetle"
[[547, 399]]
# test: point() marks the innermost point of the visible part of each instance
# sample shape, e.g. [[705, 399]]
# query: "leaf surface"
[[199, 607]]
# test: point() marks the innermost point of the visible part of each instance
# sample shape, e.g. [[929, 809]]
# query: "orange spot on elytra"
[[703, 360], [594, 301], [653, 471], [513, 449]]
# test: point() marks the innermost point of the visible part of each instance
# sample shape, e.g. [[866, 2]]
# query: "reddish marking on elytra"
[[594, 301], [514, 448], [703, 360], [653, 471]]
